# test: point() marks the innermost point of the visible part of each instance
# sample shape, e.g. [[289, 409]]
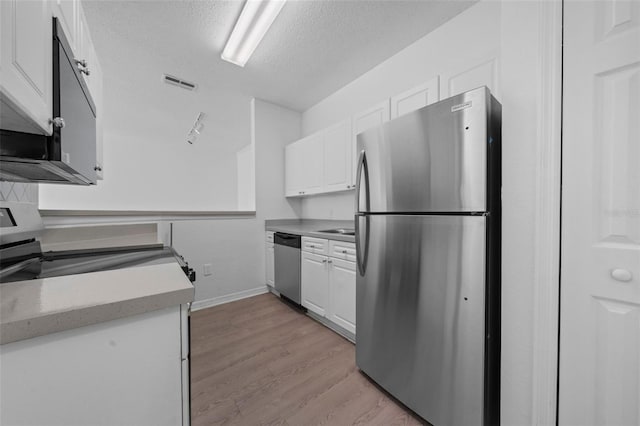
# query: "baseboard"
[[215, 301], [333, 327]]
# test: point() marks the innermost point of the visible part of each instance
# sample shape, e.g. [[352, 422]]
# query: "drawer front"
[[342, 250], [315, 245], [269, 236]]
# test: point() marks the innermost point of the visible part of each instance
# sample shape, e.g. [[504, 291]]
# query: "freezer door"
[[431, 160], [420, 312]]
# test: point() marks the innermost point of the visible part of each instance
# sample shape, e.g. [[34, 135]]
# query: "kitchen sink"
[[341, 231]]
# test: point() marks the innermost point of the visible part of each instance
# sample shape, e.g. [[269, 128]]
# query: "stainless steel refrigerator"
[[428, 253]]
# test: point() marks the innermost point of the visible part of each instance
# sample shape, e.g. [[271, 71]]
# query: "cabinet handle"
[[57, 122], [85, 71], [97, 168], [81, 63], [329, 261], [622, 275], [344, 251], [324, 260]]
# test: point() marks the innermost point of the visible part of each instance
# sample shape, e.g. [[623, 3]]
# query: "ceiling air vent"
[[169, 79]]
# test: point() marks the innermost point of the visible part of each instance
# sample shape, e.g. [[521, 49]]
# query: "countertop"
[[43, 306], [310, 228]]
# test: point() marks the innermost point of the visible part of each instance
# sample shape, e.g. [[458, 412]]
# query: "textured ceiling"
[[313, 48]]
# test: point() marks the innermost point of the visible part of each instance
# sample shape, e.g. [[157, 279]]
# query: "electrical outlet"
[[206, 269]]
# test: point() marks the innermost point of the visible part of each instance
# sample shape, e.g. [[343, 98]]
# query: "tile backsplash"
[[18, 191]]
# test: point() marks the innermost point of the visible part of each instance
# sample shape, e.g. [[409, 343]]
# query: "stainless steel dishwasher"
[[287, 265]]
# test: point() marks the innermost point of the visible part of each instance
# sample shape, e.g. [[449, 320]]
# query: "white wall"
[[467, 40], [235, 246], [148, 165], [246, 178]]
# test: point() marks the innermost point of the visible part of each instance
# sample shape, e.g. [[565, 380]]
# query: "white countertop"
[[43, 306]]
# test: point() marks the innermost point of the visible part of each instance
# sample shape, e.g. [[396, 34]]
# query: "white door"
[[600, 273], [337, 157], [314, 283], [372, 117], [342, 293], [415, 98]]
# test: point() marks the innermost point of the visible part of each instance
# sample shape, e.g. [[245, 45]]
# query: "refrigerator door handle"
[[362, 165], [362, 244]]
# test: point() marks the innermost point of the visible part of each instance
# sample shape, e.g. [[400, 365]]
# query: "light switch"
[[207, 269]]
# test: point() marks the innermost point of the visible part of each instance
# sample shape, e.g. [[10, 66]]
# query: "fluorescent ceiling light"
[[254, 21]]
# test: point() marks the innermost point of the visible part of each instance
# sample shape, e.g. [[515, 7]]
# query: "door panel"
[[415, 98], [315, 282], [420, 312], [472, 76], [600, 273], [374, 116], [342, 293], [337, 157], [434, 159]]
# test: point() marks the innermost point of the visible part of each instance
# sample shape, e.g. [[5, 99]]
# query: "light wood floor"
[[258, 361]]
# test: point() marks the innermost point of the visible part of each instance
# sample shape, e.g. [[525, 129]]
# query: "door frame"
[[548, 168]]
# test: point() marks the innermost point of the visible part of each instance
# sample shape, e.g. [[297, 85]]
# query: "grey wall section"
[[235, 247]]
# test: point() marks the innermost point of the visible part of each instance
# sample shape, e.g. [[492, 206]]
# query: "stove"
[[22, 258]]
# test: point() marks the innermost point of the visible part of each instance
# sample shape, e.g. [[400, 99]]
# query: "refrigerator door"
[[420, 312], [431, 160]]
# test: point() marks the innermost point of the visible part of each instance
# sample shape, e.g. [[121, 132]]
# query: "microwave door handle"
[[362, 166]]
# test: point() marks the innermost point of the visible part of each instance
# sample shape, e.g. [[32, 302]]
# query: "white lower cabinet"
[[329, 283], [315, 283], [269, 260], [342, 294], [132, 370]]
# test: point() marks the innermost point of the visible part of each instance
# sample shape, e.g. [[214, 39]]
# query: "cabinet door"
[[25, 64], [342, 293], [304, 163], [67, 13], [293, 169], [269, 260], [415, 98], [337, 157], [315, 283], [372, 117], [312, 164], [471, 76]]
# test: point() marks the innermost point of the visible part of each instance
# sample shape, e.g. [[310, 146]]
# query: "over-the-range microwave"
[[69, 154]]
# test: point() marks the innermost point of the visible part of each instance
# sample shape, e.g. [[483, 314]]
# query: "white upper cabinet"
[[415, 98], [86, 55], [319, 163], [304, 163], [337, 157], [372, 117], [25, 65], [67, 13], [470, 76], [92, 73]]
